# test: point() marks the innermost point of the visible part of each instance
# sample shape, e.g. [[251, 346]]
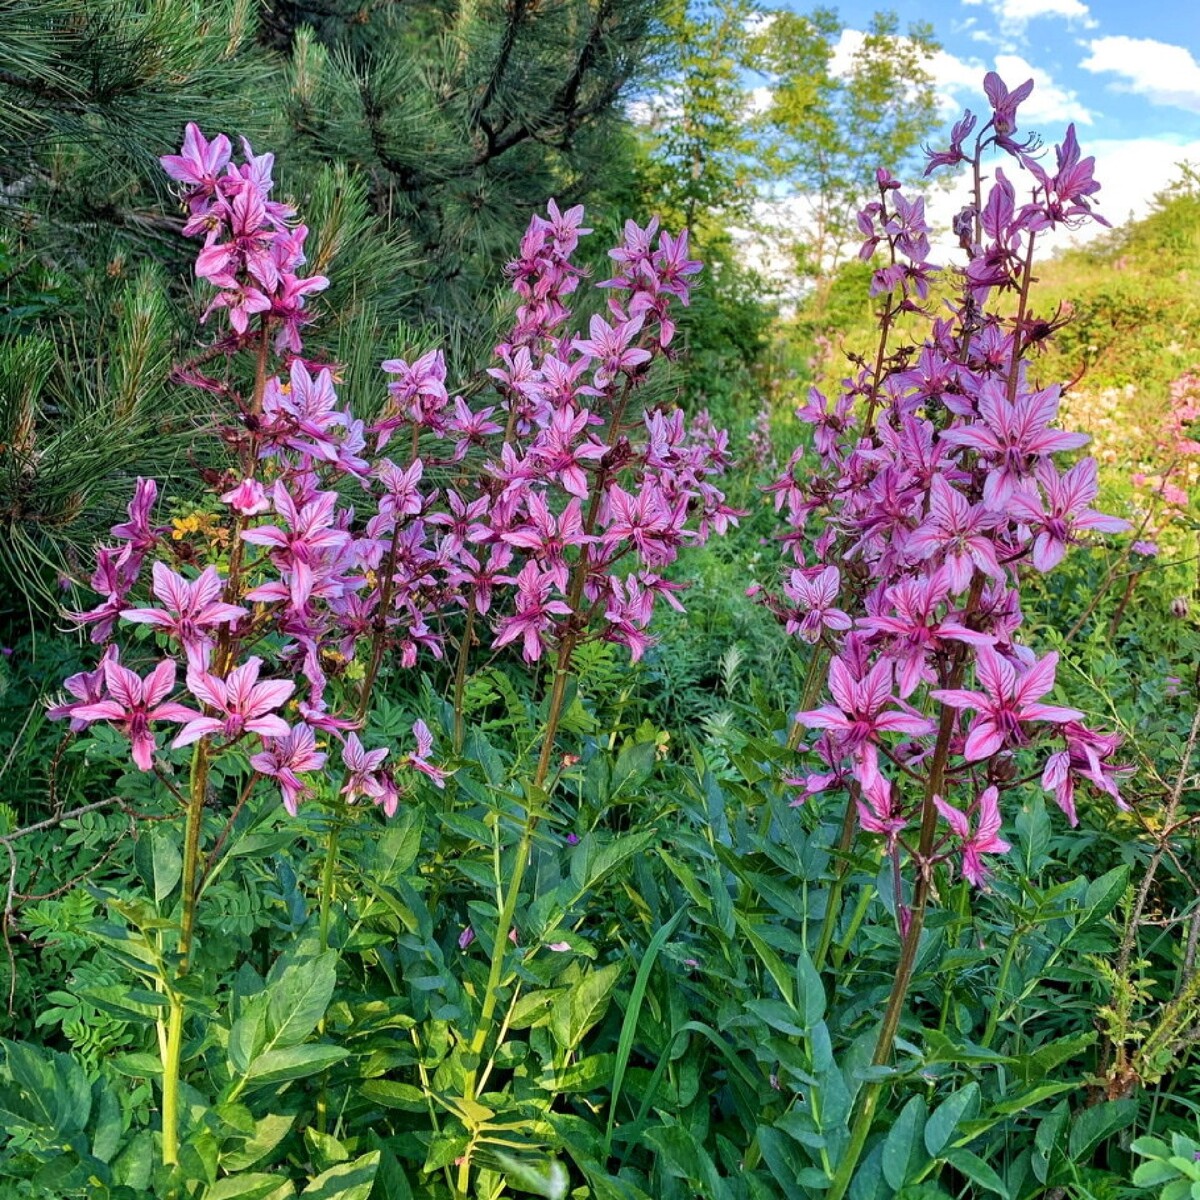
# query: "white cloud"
[[1131, 172], [1163, 73], [1013, 16], [1049, 103], [959, 85]]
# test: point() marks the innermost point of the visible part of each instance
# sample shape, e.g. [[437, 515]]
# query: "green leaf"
[[769, 959], [633, 1014], [390, 1182], [902, 1148], [1151, 1174], [269, 1131], [396, 849], [444, 1148], [779, 1016], [1150, 1147], [810, 991], [138, 1065], [977, 1171], [133, 1166], [1033, 833], [685, 1157], [297, 1000], [245, 1187], [248, 1035], [159, 863], [1096, 1123], [325, 1149], [581, 1007], [391, 1093], [944, 1119], [606, 858], [294, 1062], [634, 766], [346, 1181], [549, 1179], [1104, 894], [1036, 1095]]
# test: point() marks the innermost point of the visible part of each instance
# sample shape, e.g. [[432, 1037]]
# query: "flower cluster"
[[559, 502], [252, 248], [934, 480]]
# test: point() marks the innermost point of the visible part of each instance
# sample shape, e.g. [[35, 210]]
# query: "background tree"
[[830, 123], [418, 138], [695, 112]]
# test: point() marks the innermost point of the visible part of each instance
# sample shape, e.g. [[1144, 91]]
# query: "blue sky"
[[1127, 73]]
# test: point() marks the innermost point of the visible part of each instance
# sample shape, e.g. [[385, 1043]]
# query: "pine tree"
[[416, 138], [464, 116]]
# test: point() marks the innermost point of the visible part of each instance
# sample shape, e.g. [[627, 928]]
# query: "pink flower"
[[87, 687], [548, 538], [245, 703], [611, 345], [815, 596], [199, 163], [249, 498], [1008, 699], [419, 758], [535, 611], [985, 839], [191, 608], [860, 716], [285, 757], [1065, 511], [1013, 435], [560, 454], [134, 703], [362, 768], [958, 532]]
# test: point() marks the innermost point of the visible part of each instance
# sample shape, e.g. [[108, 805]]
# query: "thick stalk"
[[170, 1085], [558, 691], [174, 1045], [869, 1096]]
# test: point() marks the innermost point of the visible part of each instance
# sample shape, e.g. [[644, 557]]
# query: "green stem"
[[856, 919], [869, 1097], [834, 903], [174, 1046], [460, 676], [575, 625], [1002, 981], [170, 1085]]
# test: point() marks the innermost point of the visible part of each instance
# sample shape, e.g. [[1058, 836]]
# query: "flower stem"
[[869, 1096], [174, 1045], [834, 903], [460, 676]]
